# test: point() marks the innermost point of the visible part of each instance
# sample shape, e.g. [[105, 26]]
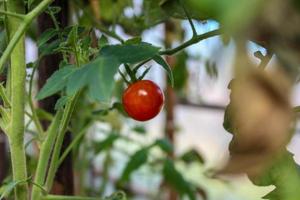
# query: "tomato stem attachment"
[[130, 73], [144, 73], [124, 77], [188, 17]]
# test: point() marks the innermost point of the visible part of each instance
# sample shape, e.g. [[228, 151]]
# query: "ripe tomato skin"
[[143, 100]]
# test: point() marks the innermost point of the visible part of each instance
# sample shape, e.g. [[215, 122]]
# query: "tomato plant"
[[90, 51]]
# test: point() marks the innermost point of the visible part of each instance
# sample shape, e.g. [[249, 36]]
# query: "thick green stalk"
[[16, 129], [45, 154], [19, 30], [193, 40], [60, 197], [55, 135]]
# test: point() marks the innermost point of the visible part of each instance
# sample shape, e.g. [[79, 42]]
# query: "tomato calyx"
[[132, 73]]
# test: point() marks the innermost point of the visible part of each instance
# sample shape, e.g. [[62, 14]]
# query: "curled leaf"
[[259, 116]]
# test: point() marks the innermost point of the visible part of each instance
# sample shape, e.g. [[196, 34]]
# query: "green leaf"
[[46, 36], [174, 178], [106, 143], [165, 145], [275, 167], [153, 12], [111, 10], [136, 161], [119, 107], [201, 10], [227, 122], [44, 115], [117, 196], [51, 48], [61, 102], [192, 156], [283, 174], [98, 76], [139, 129], [30, 2], [130, 53], [180, 71], [103, 41], [165, 65], [232, 14], [53, 9], [228, 114], [10, 187], [135, 40], [73, 36], [56, 82]]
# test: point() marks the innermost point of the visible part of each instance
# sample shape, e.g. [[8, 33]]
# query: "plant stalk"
[[16, 128], [61, 197], [59, 141], [19, 30], [45, 154]]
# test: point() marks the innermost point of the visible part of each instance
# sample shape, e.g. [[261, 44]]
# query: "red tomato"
[[143, 100]]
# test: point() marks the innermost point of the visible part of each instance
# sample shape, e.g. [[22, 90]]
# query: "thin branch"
[[144, 73], [54, 20], [35, 118], [124, 77], [189, 18], [38, 185], [61, 197], [264, 60], [19, 16], [140, 65], [74, 142], [184, 45], [4, 96], [130, 73], [192, 41]]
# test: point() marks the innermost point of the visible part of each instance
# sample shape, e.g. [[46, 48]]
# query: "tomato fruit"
[[143, 100]]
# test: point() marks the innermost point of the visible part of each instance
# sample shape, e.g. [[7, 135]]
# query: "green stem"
[[59, 141], [19, 31], [35, 118], [12, 14], [124, 77], [130, 73], [68, 111], [140, 65], [54, 21], [61, 197], [45, 154], [16, 129], [189, 18], [4, 97], [192, 41], [74, 142], [16, 29]]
